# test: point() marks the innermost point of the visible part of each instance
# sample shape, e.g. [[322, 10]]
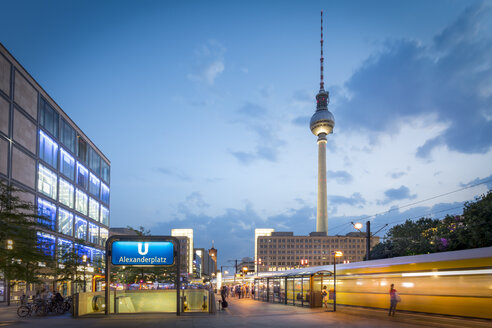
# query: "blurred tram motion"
[[453, 283]]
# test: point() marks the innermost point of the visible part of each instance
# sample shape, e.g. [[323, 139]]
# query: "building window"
[[94, 185], [80, 228], [64, 246], [94, 160], [48, 118], [65, 222], [104, 193], [93, 209], [68, 136], [46, 243], [82, 176], [47, 181], [104, 216], [81, 202], [47, 211], [48, 149], [66, 193], [103, 236], [93, 233], [67, 164], [105, 171], [82, 150]]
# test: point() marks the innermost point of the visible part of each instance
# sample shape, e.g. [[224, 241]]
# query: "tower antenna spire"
[[321, 82]]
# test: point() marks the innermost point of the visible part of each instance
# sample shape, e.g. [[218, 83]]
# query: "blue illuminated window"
[[103, 236], [48, 149], [84, 250], [47, 211], [67, 164], [104, 216], [46, 243], [94, 184], [64, 246], [47, 181], [80, 228], [105, 171], [93, 233], [104, 193], [66, 192], [65, 222], [93, 209], [81, 201], [82, 176]]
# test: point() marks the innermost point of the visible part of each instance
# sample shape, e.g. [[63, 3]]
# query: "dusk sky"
[[203, 107]]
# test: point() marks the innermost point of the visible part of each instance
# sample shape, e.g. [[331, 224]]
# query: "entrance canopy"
[[302, 272]]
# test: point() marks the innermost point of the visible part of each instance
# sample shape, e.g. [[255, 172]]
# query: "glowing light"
[[338, 253], [383, 283], [358, 226], [408, 284], [446, 273]]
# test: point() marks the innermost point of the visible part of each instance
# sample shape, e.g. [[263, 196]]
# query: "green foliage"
[[140, 231], [22, 257], [471, 230]]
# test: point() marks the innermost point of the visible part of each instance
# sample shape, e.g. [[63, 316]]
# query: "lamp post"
[[335, 255], [358, 226], [84, 259]]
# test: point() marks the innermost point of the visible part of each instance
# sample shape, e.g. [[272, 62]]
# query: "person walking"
[[223, 295], [393, 300], [324, 295]]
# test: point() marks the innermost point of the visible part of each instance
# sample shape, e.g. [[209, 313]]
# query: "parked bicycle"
[[37, 307]]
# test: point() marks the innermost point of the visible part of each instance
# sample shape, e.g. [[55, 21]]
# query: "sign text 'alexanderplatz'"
[[142, 253]]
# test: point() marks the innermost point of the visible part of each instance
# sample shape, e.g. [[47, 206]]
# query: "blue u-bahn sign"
[[142, 253]]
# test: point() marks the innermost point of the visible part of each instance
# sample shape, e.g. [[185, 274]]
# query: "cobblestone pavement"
[[248, 313]]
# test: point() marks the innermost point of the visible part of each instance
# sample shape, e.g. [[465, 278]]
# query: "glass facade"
[[48, 149], [48, 118], [94, 185], [66, 193], [105, 171], [68, 137], [93, 233], [46, 242], [67, 164], [80, 228], [82, 150], [65, 222], [48, 212], [80, 201], [93, 209], [47, 183], [103, 236], [94, 161], [104, 216], [104, 193], [82, 176]]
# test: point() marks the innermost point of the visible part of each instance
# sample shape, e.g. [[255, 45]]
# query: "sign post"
[[142, 251]]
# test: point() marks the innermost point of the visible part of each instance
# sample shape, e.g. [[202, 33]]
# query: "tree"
[[21, 254], [471, 230], [70, 259]]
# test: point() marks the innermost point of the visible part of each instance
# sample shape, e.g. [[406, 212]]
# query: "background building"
[[283, 250], [185, 237], [203, 264], [213, 255], [259, 233], [43, 152]]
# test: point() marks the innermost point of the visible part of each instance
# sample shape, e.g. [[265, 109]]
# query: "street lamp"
[[335, 255], [84, 259], [358, 226], [10, 244]]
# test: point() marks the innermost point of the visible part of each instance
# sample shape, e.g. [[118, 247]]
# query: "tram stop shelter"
[[299, 287]]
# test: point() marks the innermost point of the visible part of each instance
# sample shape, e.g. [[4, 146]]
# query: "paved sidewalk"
[[248, 313]]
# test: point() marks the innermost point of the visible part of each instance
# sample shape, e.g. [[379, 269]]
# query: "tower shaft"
[[322, 211]]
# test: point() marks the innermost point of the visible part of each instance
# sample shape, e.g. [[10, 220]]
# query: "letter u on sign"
[[146, 248]]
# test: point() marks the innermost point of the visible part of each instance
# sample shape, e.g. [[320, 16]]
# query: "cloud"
[[342, 177], [397, 175], [209, 63], [173, 173], [301, 121], [487, 181], [396, 194], [354, 200], [267, 143], [449, 79]]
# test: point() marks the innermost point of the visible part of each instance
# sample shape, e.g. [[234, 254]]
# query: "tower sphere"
[[322, 120]]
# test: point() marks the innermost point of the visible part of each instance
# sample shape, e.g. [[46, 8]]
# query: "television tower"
[[321, 125]]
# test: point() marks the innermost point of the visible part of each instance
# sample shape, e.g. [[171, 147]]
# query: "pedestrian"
[[324, 295], [223, 295], [394, 299]]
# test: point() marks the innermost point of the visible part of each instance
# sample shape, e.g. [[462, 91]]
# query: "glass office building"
[[43, 152]]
